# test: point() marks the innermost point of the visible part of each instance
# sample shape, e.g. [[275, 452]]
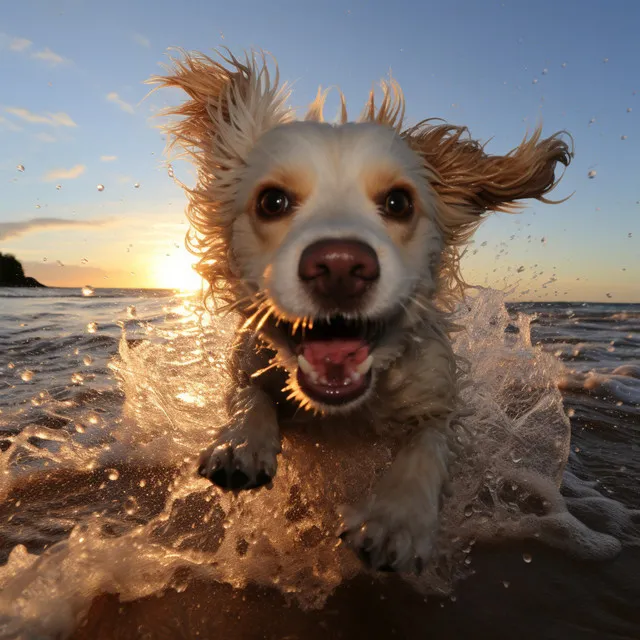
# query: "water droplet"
[[27, 376], [87, 291], [58, 187], [629, 109], [136, 185], [527, 557], [131, 311], [592, 174], [87, 360], [543, 240], [92, 327], [59, 263], [467, 560], [170, 171], [468, 511], [37, 206], [130, 505], [77, 378], [100, 187], [623, 137], [79, 427], [44, 259], [534, 81], [609, 295], [592, 121], [92, 418], [629, 235], [84, 261], [20, 168], [545, 71], [571, 412], [564, 65], [506, 584], [520, 269], [112, 474], [605, 60]]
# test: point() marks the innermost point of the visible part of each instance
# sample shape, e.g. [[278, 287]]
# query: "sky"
[[73, 114]]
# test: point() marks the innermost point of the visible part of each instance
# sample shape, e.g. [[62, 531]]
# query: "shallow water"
[[107, 400]]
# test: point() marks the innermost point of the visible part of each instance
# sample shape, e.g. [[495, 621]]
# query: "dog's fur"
[[242, 136]]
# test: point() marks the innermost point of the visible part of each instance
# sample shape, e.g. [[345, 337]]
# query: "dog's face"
[[331, 240], [334, 227]]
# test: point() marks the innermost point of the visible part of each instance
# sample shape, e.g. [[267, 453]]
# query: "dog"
[[338, 245]]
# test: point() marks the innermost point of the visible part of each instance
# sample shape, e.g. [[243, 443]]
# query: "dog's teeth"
[[307, 368], [364, 367], [355, 376], [324, 381], [305, 365], [347, 381]]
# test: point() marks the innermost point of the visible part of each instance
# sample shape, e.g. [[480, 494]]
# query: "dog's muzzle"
[[334, 353]]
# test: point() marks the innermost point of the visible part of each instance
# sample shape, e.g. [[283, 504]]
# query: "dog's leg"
[[244, 453], [395, 528]]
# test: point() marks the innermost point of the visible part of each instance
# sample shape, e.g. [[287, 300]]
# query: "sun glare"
[[175, 271]]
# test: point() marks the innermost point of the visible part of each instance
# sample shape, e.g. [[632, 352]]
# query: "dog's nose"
[[338, 272]]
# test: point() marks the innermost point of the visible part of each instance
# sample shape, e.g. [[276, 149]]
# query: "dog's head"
[[333, 241]]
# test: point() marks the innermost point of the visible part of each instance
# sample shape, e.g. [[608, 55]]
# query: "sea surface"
[[107, 397]]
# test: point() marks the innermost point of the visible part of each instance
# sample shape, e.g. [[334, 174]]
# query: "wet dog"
[[338, 245]]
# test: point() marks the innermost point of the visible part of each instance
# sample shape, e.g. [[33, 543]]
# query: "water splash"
[[114, 505]]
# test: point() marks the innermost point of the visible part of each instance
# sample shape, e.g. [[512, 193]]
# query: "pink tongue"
[[335, 360]]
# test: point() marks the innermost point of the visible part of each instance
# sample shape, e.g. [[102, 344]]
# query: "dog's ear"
[[232, 103], [470, 182]]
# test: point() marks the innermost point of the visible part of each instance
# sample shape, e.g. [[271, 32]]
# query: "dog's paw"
[[235, 465], [390, 536]]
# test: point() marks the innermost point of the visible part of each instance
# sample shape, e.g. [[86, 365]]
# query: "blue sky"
[[72, 113]]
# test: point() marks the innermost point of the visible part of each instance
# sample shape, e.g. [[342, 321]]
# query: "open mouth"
[[335, 357]]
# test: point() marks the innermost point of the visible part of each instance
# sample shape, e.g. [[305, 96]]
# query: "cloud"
[[64, 174], [116, 99], [59, 119], [19, 44], [143, 41], [35, 225], [50, 57], [7, 124], [108, 158], [44, 137]]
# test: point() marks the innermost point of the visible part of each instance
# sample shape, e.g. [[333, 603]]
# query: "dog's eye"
[[273, 203], [398, 204]]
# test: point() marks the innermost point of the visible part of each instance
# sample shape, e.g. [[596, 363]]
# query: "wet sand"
[[553, 597]]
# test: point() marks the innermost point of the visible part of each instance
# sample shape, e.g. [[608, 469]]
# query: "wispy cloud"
[[34, 225], [59, 119], [65, 174], [24, 46], [19, 44], [116, 99], [108, 158], [44, 137], [50, 57], [7, 124], [143, 41]]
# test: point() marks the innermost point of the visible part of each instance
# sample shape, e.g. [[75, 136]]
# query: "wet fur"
[[236, 127]]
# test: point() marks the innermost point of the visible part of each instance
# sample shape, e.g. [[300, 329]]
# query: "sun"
[[175, 271]]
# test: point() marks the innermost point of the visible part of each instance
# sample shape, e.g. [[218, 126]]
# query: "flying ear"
[[465, 176], [232, 103]]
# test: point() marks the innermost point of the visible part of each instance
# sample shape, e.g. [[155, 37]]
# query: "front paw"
[[236, 465], [391, 536]]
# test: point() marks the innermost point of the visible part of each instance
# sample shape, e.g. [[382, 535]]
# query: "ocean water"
[[107, 399]]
